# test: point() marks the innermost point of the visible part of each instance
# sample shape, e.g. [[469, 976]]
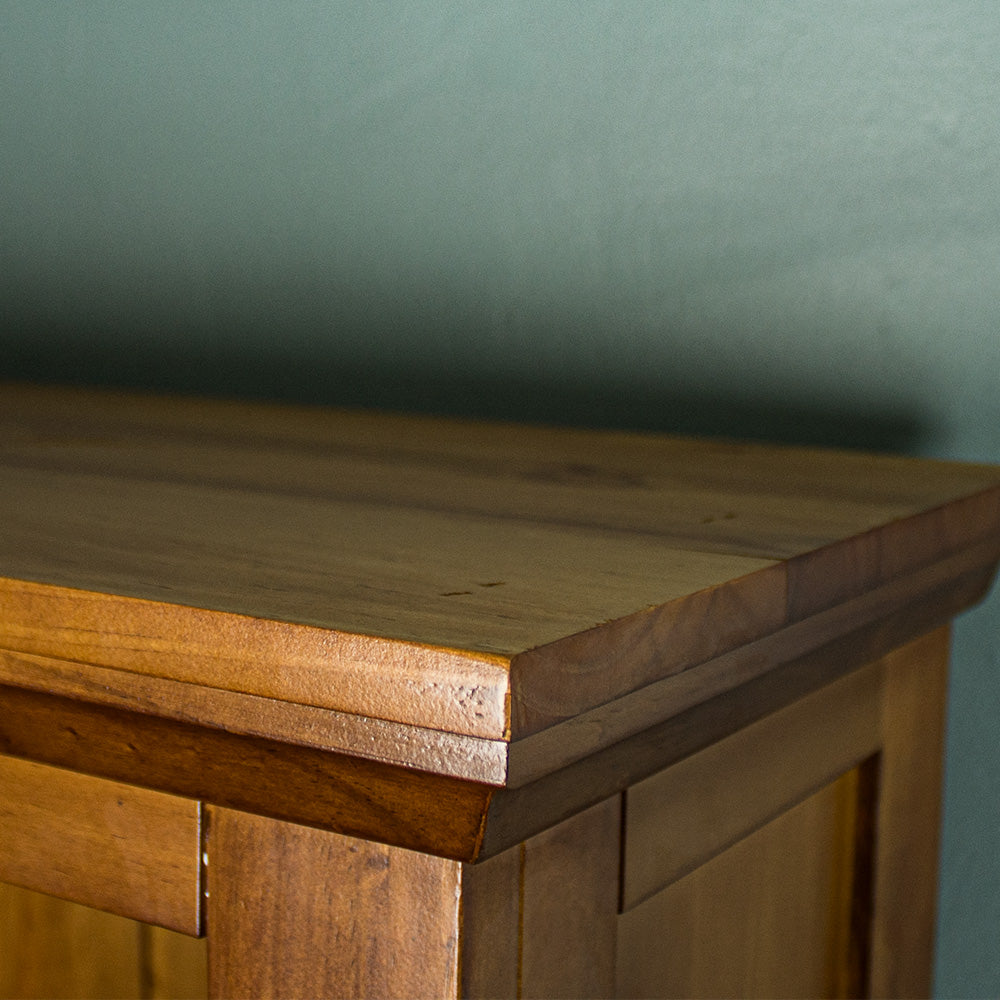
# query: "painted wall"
[[774, 219]]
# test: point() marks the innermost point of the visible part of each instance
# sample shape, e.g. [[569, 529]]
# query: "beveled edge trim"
[[355, 796], [522, 810], [540, 753], [416, 684], [450, 754]]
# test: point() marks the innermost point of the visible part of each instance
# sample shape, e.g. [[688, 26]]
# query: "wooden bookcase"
[[300, 702]]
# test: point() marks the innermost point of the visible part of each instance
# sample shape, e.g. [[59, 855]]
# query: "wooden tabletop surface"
[[482, 580]]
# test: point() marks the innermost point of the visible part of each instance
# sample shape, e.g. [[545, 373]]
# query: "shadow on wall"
[[397, 385]]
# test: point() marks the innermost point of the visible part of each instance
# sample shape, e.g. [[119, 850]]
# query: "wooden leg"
[[909, 817], [540, 920], [298, 912], [570, 906]]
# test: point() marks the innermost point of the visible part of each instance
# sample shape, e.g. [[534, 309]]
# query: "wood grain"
[[941, 589], [123, 849], [52, 949], [540, 920], [679, 819], [456, 639], [492, 929], [430, 687], [788, 500], [334, 791], [836, 573], [296, 912], [445, 753], [561, 680], [631, 752], [175, 967], [392, 567], [329, 594], [766, 918], [569, 901]]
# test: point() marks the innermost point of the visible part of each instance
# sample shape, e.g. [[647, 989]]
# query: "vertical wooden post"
[[298, 912], [541, 919], [571, 890], [909, 817]]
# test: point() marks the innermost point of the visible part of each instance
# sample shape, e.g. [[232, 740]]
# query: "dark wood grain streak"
[[649, 483], [391, 567]]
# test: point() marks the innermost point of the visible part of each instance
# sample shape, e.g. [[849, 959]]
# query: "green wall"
[[776, 219]]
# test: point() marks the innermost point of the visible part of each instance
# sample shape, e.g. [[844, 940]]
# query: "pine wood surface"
[[51, 949], [540, 920], [833, 896], [569, 897], [435, 573], [434, 751], [522, 809], [351, 794], [678, 820], [908, 821]]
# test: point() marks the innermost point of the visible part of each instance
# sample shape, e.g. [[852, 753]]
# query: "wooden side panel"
[[51, 948], [854, 867], [909, 817], [295, 911], [113, 846], [769, 917], [680, 818]]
